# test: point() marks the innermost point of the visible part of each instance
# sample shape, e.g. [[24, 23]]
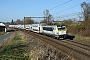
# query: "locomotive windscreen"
[[62, 27]]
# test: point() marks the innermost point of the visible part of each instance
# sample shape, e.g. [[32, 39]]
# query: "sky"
[[18, 9]]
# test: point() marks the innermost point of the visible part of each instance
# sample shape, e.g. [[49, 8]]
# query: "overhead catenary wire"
[[63, 16], [69, 8], [56, 6], [60, 4], [64, 9], [72, 14], [75, 14]]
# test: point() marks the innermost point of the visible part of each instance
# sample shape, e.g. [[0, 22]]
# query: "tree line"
[[26, 21], [83, 28]]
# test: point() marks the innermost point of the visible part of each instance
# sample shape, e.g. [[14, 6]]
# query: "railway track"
[[72, 49], [78, 44]]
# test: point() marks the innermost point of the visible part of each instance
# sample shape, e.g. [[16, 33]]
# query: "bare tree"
[[86, 10], [18, 21], [48, 18]]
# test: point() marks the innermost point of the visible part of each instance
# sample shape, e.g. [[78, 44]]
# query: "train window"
[[48, 28], [35, 29], [35, 26]]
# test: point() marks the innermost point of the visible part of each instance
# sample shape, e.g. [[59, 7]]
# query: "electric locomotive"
[[58, 31]]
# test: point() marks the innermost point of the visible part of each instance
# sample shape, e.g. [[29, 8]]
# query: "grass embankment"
[[16, 50], [82, 39], [2, 33]]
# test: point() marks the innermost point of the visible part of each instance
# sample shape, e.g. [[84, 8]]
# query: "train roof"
[[53, 25], [36, 24], [49, 26], [1, 24], [28, 24]]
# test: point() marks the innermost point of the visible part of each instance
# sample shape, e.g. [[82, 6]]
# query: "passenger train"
[[57, 31]]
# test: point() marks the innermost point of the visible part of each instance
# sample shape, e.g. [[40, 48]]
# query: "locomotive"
[[57, 31]]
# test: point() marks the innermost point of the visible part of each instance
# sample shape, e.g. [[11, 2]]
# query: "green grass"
[[16, 50], [82, 39]]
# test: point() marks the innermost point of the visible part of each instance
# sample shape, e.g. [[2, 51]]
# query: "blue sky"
[[17, 9]]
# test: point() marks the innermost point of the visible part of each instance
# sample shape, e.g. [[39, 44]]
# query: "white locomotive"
[[57, 31]]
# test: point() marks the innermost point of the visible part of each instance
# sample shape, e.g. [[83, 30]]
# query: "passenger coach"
[[37, 28]]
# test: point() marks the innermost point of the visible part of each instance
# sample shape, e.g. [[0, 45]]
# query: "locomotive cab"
[[61, 31]]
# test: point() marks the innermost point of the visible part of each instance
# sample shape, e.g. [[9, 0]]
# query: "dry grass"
[[82, 30], [82, 39], [2, 33]]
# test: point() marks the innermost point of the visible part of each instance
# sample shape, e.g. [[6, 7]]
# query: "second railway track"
[[73, 49]]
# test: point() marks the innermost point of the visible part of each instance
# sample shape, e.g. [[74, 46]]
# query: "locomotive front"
[[61, 31]]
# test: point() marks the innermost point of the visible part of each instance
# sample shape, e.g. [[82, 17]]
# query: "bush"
[[82, 29]]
